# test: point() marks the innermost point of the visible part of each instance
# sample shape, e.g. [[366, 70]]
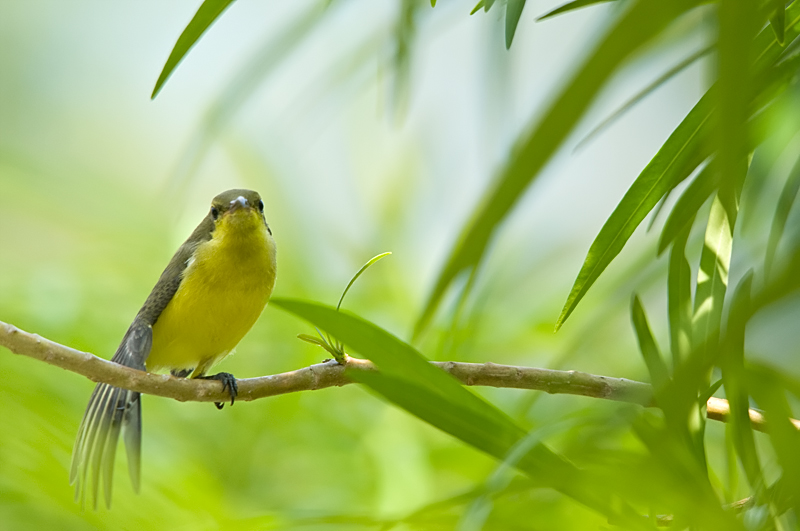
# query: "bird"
[[209, 296]]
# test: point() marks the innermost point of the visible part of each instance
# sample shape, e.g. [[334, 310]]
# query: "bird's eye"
[[261, 206], [214, 213]]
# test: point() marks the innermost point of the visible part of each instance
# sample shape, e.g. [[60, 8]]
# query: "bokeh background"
[[363, 135]]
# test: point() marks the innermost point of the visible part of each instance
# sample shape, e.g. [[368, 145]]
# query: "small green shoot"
[[333, 346]]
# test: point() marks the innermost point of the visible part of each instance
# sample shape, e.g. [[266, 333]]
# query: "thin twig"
[[332, 374]]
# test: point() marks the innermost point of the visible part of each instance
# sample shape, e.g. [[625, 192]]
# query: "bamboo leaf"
[[679, 300], [659, 374], [784, 206], [767, 48], [494, 435], [641, 197], [209, 11], [677, 158], [642, 94], [571, 6], [687, 206], [778, 20], [737, 30], [513, 12], [784, 437], [733, 377], [390, 354], [408, 380], [712, 278], [475, 9], [635, 27]]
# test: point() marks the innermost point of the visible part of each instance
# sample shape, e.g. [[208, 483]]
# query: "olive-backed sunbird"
[[205, 301]]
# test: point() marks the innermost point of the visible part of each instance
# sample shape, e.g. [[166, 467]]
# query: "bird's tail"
[[111, 411]]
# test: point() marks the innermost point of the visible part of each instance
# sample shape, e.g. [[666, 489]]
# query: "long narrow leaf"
[[712, 278], [733, 377], [637, 201], [209, 11], [539, 462], [785, 438], [737, 28], [481, 432], [683, 151], [407, 379], [390, 354], [687, 206], [659, 375], [778, 20], [784, 206], [513, 13], [571, 6], [636, 27], [679, 300], [642, 94]]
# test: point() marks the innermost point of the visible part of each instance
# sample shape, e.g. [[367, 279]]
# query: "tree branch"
[[332, 374]]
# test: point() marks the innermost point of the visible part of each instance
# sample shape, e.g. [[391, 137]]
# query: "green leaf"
[[635, 27], [642, 94], [390, 354], [677, 158], [360, 271], [513, 12], [785, 438], [243, 84], [679, 300], [733, 377], [570, 6], [476, 8], [640, 199], [687, 206], [712, 278], [209, 11], [692, 497], [778, 20], [768, 49], [487, 5], [407, 379], [737, 29], [490, 434], [659, 374], [784, 206]]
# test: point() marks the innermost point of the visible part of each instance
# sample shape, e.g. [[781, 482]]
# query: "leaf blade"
[[659, 375], [679, 300], [389, 353], [209, 11], [571, 6], [680, 154], [637, 26], [782, 210], [513, 13]]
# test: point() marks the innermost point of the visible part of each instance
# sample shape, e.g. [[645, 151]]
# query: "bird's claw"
[[228, 383]]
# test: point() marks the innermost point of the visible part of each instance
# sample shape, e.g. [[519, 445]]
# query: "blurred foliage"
[[350, 163]]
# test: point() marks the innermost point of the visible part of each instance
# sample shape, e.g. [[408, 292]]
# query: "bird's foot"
[[228, 382]]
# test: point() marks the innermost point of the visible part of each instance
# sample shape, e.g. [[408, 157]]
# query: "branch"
[[332, 374]]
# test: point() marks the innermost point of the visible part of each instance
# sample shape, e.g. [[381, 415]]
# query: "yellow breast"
[[224, 289]]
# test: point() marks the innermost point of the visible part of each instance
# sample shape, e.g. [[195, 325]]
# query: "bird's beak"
[[236, 204]]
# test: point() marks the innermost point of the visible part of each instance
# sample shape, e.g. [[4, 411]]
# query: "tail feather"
[[132, 434], [111, 411]]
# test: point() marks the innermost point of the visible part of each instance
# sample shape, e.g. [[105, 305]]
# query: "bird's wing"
[[112, 410]]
